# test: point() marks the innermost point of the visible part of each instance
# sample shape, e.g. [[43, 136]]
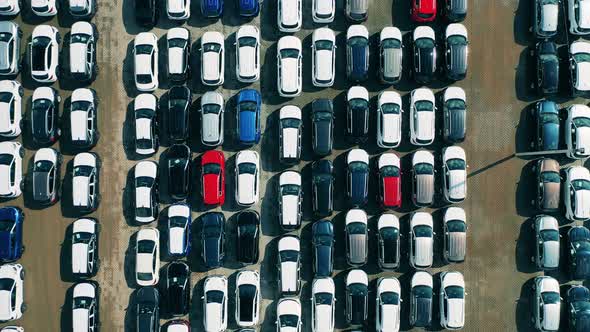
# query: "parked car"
[[249, 8], [454, 114], [577, 134], [357, 297], [288, 265], [177, 325], [83, 66], [147, 257], [46, 176], [290, 128], [215, 303], [323, 304], [547, 68], [212, 118], [322, 118], [454, 169], [323, 58], [289, 200], [148, 310], [579, 16], [178, 42], [82, 9], [177, 288], [10, 8], [178, 159], [44, 54], [357, 53], [452, 300], [11, 94], [12, 219], [357, 177], [388, 304], [455, 235], [421, 298], [289, 18], [248, 53], [578, 298], [579, 57], [147, 138], [424, 42], [10, 47], [322, 187], [547, 242], [422, 117], [357, 10], [323, 248], [179, 10], [248, 237], [178, 229], [146, 13], [12, 303], [421, 240], [44, 115], [388, 234], [213, 239], [145, 50], [455, 10], [84, 118], [85, 191], [423, 10], [289, 315], [457, 51], [389, 119], [147, 205], [546, 303], [247, 298], [390, 192], [85, 307], [579, 252], [289, 66], [85, 260], [357, 114], [548, 185], [390, 55], [212, 58], [576, 193], [248, 103], [323, 11], [213, 177], [357, 237], [247, 177], [44, 8], [546, 117], [179, 103]]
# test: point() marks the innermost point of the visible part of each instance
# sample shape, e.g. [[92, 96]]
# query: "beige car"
[[548, 185]]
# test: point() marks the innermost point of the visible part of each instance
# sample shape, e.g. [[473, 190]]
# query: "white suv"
[[421, 240], [145, 50], [147, 257], [82, 8], [11, 171], [452, 300], [290, 196], [12, 296], [422, 115], [323, 45], [44, 8], [289, 16], [85, 182], [580, 67], [11, 94], [389, 119], [248, 54], [289, 263], [212, 58], [577, 131], [388, 305], [247, 177], [44, 54], [454, 174], [289, 66], [579, 16], [323, 304], [290, 127], [576, 193], [289, 315], [83, 51], [215, 304]]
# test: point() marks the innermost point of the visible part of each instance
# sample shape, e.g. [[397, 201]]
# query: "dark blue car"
[[211, 8], [547, 125], [213, 239], [323, 244], [579, 243], [11, 233], [248, 102], [248, 8], [357, 53], [578, 298]]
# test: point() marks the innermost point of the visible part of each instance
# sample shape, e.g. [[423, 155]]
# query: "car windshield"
[[390, 108], [322, 116], [144, 181], [79, 38], [176, 42], [358, 290], [391, 43], [424, 43], [5, 37], [43, 166], [548, 58], [389, 298], [248, 106], [422, 292], [550, 297], [80, 105], [547, 118], [581, 184], [144, 49], [324, 45], [5, 97], [40, 104], [214, 296], [358, 166], [390, 171], [211, 47], [177, 103], [358, 104], [5, 159], [582, 57], [247, 42], [6, 225], [6, 284], [424, 106], [457, 40], [145, 246], [143, 78], [177, 222], [550, 235], [581, 122], [455, 226], [288, 320], [82, 171], [550, 177], [289, 255], [82, 237], [143, 143], [324, 240], [455, 104], [82, 302], [423, 231], [454, 292], [323, 298], [358, 41], [389, 233], [356, 228], [290, 189], [583, 245], [424, 168], [289, 53], [212, 231], [211, 168], [211, 109], [456, 164], [290, 123], [247, 168]]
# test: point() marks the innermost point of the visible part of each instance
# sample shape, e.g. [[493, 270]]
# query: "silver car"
[[391, 55], [455, 235], [212, 118], [357, 237], [547, 242], [357, 10], [10, 37]]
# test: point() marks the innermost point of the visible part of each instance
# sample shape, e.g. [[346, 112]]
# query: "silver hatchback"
[[10, 40]]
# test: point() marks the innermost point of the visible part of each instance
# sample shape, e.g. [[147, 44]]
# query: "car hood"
[[290, 73], [456, 313], [290, 211], [585, 18], [176, 246], [582, 206], [424, 125], [551, 195], [583, 138], [391, 128], [423, 251], [551, 314], [210, 127], [289, 284], [4, 118], [246, 190], [211, 69], [247, 58], [289, 12], [175, 55], [81, 185], [551, 256], [5, 310], [457, 184], [290, 142], [78, 118], [79, 258], [4, 249], [213, 321], [390, 318], [582, 83], [323, 66]]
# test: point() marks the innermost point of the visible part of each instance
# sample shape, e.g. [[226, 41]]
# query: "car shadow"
[[129, 267], [269, 208], [524, 307], [524, 251], [65, 256]]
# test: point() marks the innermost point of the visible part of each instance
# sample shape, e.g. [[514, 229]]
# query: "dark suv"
[[323, 248], [148, 310], [322, 186], [213, 239], [178, 157], [579, 243], [11, 233], [322, 117], [177, 288], [146, 12], [248, 236], [179, 100], [547, 68], [546, 117]]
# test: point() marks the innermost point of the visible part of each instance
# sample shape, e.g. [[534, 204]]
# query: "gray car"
[[391, 55], [357, 10], [547, 242], [212, 118], [455, 235], [357, 237], [10, 40], [549, 185], [423, 178], [457, 51]]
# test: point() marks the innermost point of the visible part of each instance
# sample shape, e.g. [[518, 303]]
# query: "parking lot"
[[497, 269]]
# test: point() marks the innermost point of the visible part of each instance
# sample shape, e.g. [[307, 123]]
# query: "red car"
[[390, 181], [423, 10], [213, 177]]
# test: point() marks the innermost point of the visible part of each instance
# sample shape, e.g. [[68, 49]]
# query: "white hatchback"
[[145, 51], [85, 182], [389, 119], [577, 131], [579, 57], [452, 300], [146, 124], [248, 54], [11, 169], [421, 240], [288, 264], [289, 315], [388, 305], [576, 193], [323, 11], [323, 304], [289, 16], [289, 66], [290, 197], [323, 45], [422, 116], [215, 304], [290, 128], [212, 58], [579, 16], [454, 169], [247, 177], [11, 94], [12, 296]]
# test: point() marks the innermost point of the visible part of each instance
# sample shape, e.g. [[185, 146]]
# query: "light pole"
[[547, 152]]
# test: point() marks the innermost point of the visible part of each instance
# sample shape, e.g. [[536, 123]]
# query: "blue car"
[[179, 230], [579, 243], [547, 125], [578, 298], [11, 233], [357, 53], [212, 8], [248, 8], [249, 102]]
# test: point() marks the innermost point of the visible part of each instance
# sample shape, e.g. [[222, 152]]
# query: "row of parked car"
[[79, 9], [546, 17]]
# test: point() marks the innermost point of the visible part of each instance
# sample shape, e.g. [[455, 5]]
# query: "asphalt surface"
[[497, 270]]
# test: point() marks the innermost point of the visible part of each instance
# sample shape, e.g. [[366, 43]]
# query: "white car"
[[389, 119], [323, 11], [455, 235], [146, 124], [178, 42], [11, 94], [545, 18], [288, 264], [388, 305], [323, 60], [215, 304], [289, 66], [146, 191], [145, 50], [421, 240], [82, 8], [580, 66], [290, 128], [454, 174], [212, 118], [323, 304], [11, 171], [10, 7], [546, 303], [247, 178], [85, 247], [83, 40], [289, 15], [12, 296], [579, 16], [44, 7], [452, 300], [179, 235], [248, 54], [422, 116], [576, 193], [290, 197], [85, 307], [85, 182], [212, 58], [289, 315], [84, 118], [13, 329], [577, 131], [247, 298], [178, 9], [547, 249], [147, 257], [44, 53]]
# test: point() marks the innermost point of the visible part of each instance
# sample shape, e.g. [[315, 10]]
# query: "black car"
[[579, 243], [146, 12], [322, 186], [455, 118], [322, 118], [357, 119], [148, 310], [456, 10], [424, 58], [178, 157], [357, 302], [421, 299], [177, 289], [457, 52], [357, 54], [179, 100], [547, 68], [389, 245], [323, 248], [45, 117], [546, 114], [578, 299], [213, 239], [248, 236], [46, 179]]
